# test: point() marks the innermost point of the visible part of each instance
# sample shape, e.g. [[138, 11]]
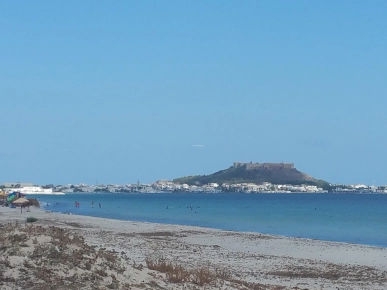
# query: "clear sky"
[[120, 91]]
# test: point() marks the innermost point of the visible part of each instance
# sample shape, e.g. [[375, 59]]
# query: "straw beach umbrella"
[[21, 201]]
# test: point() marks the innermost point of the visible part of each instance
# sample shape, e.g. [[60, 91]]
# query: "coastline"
[[259, 258]]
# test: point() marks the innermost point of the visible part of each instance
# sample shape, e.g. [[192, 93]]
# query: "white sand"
[[253, 257]]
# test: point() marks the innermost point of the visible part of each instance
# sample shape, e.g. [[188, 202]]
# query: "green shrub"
[[31, 220]]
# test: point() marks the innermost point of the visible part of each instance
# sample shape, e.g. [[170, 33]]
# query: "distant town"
[[240, 177], [161, 186]]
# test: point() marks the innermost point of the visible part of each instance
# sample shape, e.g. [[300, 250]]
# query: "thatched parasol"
[[20, 201]]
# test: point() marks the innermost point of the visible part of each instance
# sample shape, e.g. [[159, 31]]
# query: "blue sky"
[[120, 91]]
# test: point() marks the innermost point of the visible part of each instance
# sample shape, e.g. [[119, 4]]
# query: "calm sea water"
[[353, 218]]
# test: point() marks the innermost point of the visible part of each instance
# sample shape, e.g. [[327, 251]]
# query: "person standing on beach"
[[92, 204], [99, 205]]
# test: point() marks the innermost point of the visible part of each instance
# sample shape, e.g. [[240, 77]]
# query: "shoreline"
[[317, 217], [261, 258], [219, 229], [213, 229]]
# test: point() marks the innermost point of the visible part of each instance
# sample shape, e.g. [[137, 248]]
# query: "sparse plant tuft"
[[31, 219]]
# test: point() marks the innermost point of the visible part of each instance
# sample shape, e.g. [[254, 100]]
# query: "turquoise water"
[[353, 218]]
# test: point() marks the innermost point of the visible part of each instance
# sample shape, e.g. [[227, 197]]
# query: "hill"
[[275, 173]]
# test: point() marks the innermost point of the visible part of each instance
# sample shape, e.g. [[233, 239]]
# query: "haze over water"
[[352, 218]]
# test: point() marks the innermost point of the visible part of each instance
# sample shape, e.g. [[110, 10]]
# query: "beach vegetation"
[[138, 266], [31, 219], [177, 273], [57, 257], [203, 275]]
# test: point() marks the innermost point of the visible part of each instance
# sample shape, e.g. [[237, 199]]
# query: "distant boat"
[[35, 190]]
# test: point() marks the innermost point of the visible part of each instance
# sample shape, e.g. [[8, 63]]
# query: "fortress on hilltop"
[[267, 166], [258, 173]]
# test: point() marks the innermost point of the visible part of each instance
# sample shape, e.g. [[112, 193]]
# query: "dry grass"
[[176, 273], [259, 286], [202, 276], [157, 234], [333, 272], [56, 257]]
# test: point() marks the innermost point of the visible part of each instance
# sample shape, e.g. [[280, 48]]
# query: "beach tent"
[[13, 196]]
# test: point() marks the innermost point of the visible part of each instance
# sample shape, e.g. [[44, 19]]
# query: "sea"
[[349, 217]]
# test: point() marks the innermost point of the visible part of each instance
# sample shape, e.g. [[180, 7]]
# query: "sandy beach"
[[251, 260]]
